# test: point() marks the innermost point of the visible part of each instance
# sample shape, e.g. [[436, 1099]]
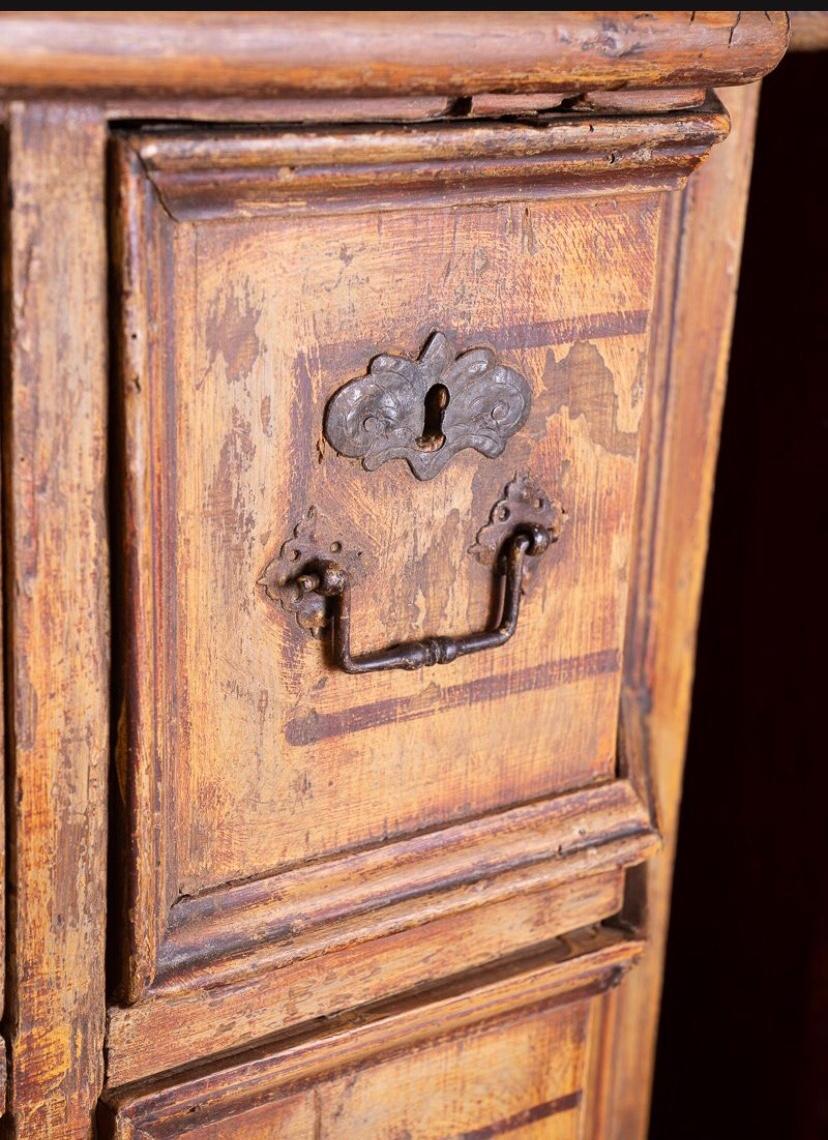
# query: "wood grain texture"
[[56, 568], [311, 111], [354, 810], [382, 1044], [380, 53], [308, 874], [484, 1082], [769, 770], [387, 109], [397, 885], [695, 338]]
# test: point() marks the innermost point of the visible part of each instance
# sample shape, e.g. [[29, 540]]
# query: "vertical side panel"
[[656, 716], [57, 585]]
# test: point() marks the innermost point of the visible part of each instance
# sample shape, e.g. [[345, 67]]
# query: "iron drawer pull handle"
[[331, 581]]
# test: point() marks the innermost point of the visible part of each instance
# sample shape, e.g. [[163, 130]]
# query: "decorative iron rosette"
[[299, 554], [524, 504]]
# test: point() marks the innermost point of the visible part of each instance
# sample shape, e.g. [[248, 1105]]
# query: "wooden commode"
[[363, 380]]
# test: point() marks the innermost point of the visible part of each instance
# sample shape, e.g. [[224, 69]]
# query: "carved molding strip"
[[560, 839], [427, 410], [372, 169]]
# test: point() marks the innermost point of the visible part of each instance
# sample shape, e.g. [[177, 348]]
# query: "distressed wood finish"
[[438, 165], [398, 903], [382, 53], [260, 1000], [234, 321], [56, 617], [460, 1096], [553, 841], [696, 338]]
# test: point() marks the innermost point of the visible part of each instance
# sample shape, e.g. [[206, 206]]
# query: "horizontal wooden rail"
[[460, 53]]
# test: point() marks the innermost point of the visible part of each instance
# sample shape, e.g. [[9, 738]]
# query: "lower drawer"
[[504, 1055]]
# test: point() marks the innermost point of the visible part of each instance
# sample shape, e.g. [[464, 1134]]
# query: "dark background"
[[744, 1028]]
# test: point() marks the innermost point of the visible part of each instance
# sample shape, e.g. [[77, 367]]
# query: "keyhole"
[[436, 401]]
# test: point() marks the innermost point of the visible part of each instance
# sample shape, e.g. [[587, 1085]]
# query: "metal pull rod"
[[331, 581]]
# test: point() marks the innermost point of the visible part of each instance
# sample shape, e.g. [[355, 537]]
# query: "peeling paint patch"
[[231, 332], [582, 383]]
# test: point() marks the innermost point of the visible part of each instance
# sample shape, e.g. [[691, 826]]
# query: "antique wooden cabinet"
[[362, 375]]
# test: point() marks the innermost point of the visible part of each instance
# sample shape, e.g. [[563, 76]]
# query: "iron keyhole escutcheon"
[[427, 410]]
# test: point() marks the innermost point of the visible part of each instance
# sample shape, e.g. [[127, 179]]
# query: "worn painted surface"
[[249, 684], [289, 815], [420, 1066], [339, 870], [694, 339], [57, 618], [273, 757]]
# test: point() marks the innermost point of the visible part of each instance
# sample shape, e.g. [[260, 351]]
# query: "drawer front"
[[510, 1055], [524, 1077], [274, 806]]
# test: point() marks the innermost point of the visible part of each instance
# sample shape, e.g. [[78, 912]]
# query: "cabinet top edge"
[[381, 53]]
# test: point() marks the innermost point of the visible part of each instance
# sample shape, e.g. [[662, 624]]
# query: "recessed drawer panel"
[[276, 756], [379, 387]]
